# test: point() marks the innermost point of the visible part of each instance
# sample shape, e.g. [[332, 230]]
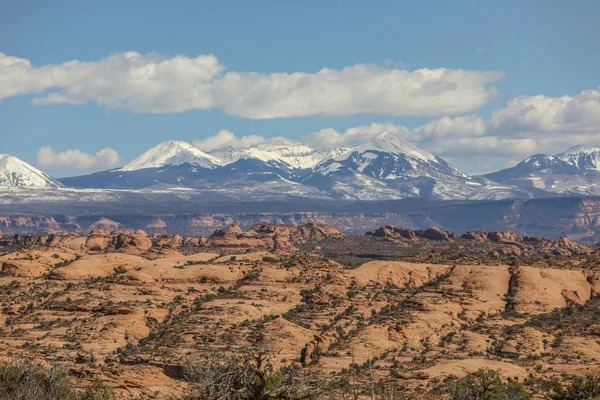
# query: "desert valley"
[[389, 314]]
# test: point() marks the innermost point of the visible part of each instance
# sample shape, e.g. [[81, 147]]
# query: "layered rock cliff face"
[[576, 218]]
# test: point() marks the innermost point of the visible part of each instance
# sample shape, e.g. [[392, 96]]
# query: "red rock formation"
[[434, 233]]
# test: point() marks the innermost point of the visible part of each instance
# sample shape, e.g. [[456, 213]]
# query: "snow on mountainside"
[[384, 168], [388, 157], [575, 171], [15, 172], [290, 153], [172, 152], [390, 143], [582, 157], [388, 167]]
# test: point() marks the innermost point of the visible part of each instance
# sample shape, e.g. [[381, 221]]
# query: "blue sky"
[[548, 48]]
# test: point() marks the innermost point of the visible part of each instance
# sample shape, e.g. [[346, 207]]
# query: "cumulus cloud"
[[47, 158], [132, 81], [354, 90], [469, 125], [580, 113], [527, 125], [328, 139], [225, 138], [154, 84]]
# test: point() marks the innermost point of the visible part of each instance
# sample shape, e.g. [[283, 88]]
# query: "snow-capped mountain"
[[180, 164], [172, 153], [582, 157], [15, 172], [575, 171], [384, 168], [389, 167], [285, 153]]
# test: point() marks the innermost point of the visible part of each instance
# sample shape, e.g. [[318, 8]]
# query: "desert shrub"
[[249, 376], [580, 388], [23, 380], [270, 259], [98, 391], [574, 319], [119, 270], [26, 381], [485, 385]]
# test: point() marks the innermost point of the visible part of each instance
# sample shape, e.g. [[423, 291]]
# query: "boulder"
[[434, 233]]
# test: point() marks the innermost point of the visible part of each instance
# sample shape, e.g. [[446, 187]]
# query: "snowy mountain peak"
[[172, 152], [582, 157], [15, 172], [538, 160], [389, 142], [576, 150], [295, 154], [288, 152]]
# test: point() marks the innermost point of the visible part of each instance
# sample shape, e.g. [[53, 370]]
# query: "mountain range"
[[15, 172], [385, 168]]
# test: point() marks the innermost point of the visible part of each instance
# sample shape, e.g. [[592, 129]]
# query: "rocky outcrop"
[[515, 244], [393, 232], [261, 236], [271, 236], [544, 289], [231, 230], [435, 233], [32, 263], [390, 231], [131, 243], [504, 237]]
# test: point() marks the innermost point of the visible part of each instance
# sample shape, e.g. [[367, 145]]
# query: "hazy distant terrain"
[[575, 217]]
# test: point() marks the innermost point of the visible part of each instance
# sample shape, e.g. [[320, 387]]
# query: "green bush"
[[249, 376], [26, 381], [23, 380], [485, 385], [98, 391], [580, 388]]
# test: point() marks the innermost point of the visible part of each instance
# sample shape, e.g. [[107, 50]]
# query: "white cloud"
[[358, 89], [484, 147], [328, 139], [154, 84], [527, 125], [140, 83], [225, 138], [469, 125], [580, 113], [47, 158], [509, 148]]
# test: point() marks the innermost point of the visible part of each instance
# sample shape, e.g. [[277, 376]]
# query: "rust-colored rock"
[[435, 233]]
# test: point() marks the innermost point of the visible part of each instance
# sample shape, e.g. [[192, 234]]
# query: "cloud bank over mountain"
[[47, 158], [155, 84], [151, 83], [527, 125]]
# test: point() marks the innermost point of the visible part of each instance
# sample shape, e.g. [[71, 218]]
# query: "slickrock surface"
[[415, 306]]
